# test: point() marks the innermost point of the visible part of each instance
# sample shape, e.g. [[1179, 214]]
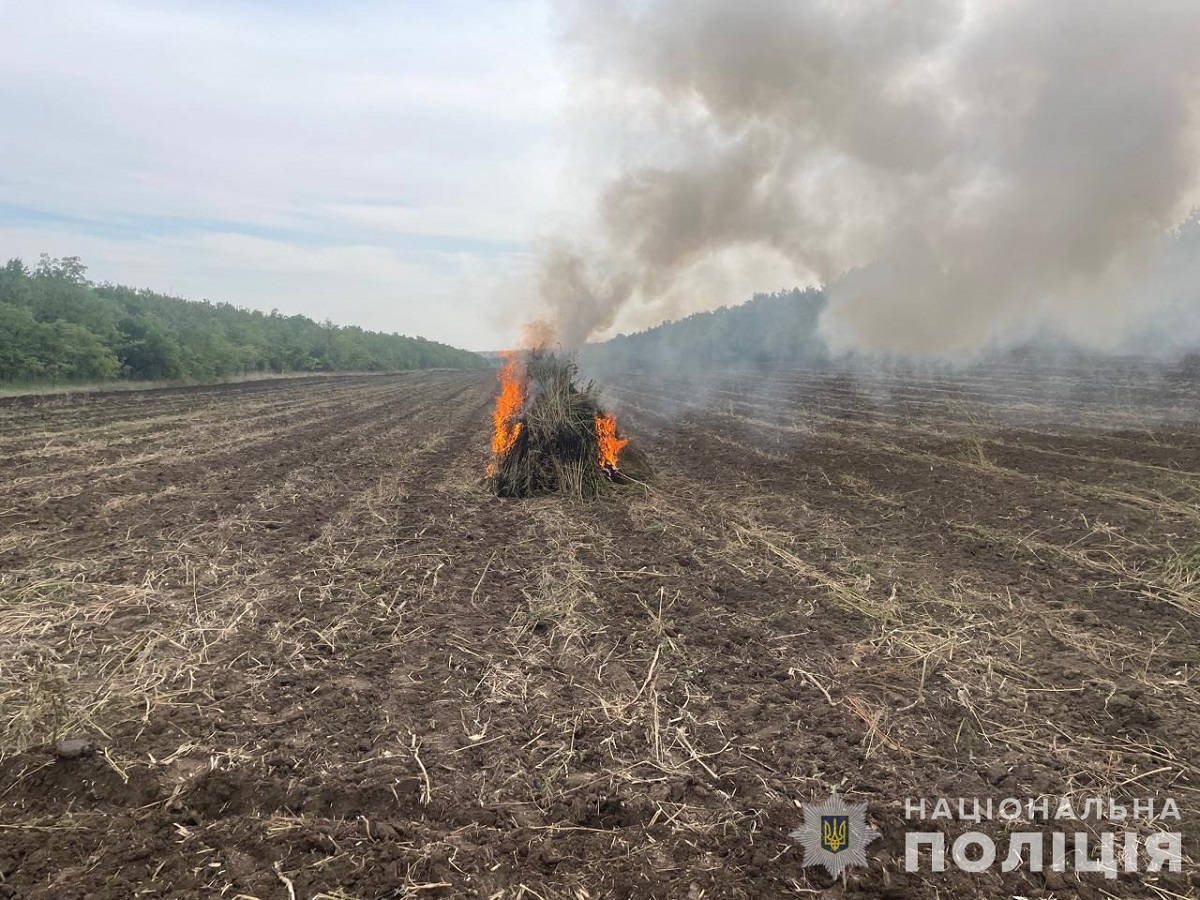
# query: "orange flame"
[[509, 403], [610, 443]]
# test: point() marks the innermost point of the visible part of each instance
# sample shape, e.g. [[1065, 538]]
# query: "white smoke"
[[956, 174]]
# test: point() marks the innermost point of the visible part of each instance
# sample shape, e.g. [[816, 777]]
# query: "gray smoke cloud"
[[956, 174]]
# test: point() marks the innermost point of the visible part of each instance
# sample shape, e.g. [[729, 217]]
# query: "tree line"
[[769, 329], [57, 326], [781, 328]]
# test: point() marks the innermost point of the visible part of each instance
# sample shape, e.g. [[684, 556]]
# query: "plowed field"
[[311, 657]]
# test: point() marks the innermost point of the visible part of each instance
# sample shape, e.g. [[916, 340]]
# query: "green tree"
[[56, 325], [147, 350]]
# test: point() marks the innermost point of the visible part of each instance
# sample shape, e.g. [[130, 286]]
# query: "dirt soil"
[[276, 640]]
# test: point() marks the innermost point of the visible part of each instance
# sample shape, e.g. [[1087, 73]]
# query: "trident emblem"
[[835, 833]]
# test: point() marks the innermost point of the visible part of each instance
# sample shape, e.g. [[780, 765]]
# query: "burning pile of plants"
[[550, 434]]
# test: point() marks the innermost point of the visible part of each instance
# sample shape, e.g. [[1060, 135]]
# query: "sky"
[[956, 173], [383, 164]]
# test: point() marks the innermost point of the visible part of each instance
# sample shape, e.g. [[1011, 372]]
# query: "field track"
[[317, 659]]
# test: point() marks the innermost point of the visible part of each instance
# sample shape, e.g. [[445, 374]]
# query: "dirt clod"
[[75, 748]]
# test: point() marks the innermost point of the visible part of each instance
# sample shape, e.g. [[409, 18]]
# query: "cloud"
[[189, 143]]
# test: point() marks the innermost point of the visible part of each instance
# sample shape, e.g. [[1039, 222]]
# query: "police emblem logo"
[[835, 834]]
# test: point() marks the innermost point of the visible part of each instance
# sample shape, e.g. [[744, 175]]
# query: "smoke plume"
[[956, 174]]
